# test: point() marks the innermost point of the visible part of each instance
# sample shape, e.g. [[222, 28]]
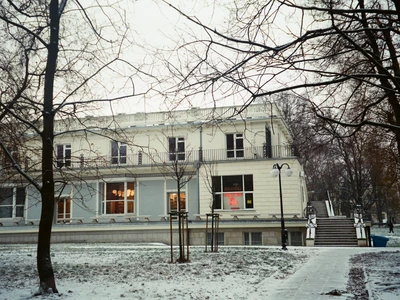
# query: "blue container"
[[379, 241]]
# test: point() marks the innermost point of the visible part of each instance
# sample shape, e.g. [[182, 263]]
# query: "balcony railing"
[[158, 158]]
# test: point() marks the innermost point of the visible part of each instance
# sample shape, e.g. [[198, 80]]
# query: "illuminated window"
[[119, 198], [64, 209], [173, 201], [233, 192], [176, 148], [118, 153], [252, 238], [12, 202], [63, 155], [234, 145]]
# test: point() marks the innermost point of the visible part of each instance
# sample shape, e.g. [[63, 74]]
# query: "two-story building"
[[117, 178]]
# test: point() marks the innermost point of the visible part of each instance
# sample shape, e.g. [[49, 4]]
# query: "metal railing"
[[154, 158]]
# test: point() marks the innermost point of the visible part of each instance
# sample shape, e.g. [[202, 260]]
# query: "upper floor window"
[[12, 202], [63, 155], [6, 160], [118, 153], [176, 148], [234, 145], [233, 192]]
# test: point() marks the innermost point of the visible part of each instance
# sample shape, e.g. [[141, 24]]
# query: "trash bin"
[[379, 241]]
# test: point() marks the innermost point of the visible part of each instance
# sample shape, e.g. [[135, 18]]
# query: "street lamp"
[[276, 171]]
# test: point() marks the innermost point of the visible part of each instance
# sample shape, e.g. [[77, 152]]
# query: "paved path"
[[324, 272]]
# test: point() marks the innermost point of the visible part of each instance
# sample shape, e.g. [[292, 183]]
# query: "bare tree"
[[52, 55], [180, 168], [341, 56]]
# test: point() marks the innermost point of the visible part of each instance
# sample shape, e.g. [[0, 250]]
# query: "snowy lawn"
[[111, 271], [114, 271]]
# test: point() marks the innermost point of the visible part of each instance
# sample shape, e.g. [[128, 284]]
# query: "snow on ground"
[[113, 271]]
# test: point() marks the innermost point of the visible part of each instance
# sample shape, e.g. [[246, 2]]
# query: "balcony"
[[190, 157]]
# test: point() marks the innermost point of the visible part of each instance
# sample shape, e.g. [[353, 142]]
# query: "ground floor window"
[[172, 198], [119, 198], [233, 192], [12, 202], [64, 209], [220, 235], [295, 238], [252, 238]]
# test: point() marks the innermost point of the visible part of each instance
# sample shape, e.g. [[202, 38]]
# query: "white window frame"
[[66, 154], [235, 152], [125, 198], [178, 150], [118, 158], [14, 204]]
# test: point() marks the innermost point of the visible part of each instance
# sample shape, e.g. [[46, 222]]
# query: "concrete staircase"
[[335, 232], [320, 206]]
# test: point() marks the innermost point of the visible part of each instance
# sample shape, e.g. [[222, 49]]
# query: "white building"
[[121, 169]]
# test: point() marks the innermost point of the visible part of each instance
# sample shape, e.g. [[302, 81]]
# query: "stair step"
[[332, 232]]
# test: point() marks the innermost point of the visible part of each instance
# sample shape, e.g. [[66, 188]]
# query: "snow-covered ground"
[[113, 271]]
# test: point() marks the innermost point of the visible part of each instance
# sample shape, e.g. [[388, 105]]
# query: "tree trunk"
[[45, 269]]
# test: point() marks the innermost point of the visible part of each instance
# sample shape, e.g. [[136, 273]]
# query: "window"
[[63, 155], [119, 198], [295, 238], [234, 145], [64, 209], [12, 202], [118, 153], [173, 201], [220, 237], [176, 148], [233, 192], [6, 161], [252, 238]]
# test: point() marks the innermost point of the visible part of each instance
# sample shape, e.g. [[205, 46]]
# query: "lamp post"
[[276, 171]]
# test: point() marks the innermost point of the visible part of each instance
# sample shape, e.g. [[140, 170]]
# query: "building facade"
[[132, 170]]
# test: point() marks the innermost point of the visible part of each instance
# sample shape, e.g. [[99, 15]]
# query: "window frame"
[[119, 153], [176, 148], [127, 200], [239, 197], [63, 155], [249, 238], [17, 209], [66, 209], [234, 145]]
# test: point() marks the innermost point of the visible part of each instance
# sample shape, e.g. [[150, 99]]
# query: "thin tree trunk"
[[45, 269]]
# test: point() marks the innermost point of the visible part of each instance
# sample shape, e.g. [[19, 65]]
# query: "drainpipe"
[[198, 167]]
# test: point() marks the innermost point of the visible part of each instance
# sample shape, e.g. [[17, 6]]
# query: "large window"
[[118, 153], [64, 209], [119, 198], [234, 145], [233, 192], [63, 155], [12, 201], [176, 148], [252, 238]]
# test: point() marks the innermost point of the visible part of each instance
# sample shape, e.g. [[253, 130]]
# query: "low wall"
[[149, 232]]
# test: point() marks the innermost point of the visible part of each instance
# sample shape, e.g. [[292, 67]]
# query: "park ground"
[[134, 271]]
